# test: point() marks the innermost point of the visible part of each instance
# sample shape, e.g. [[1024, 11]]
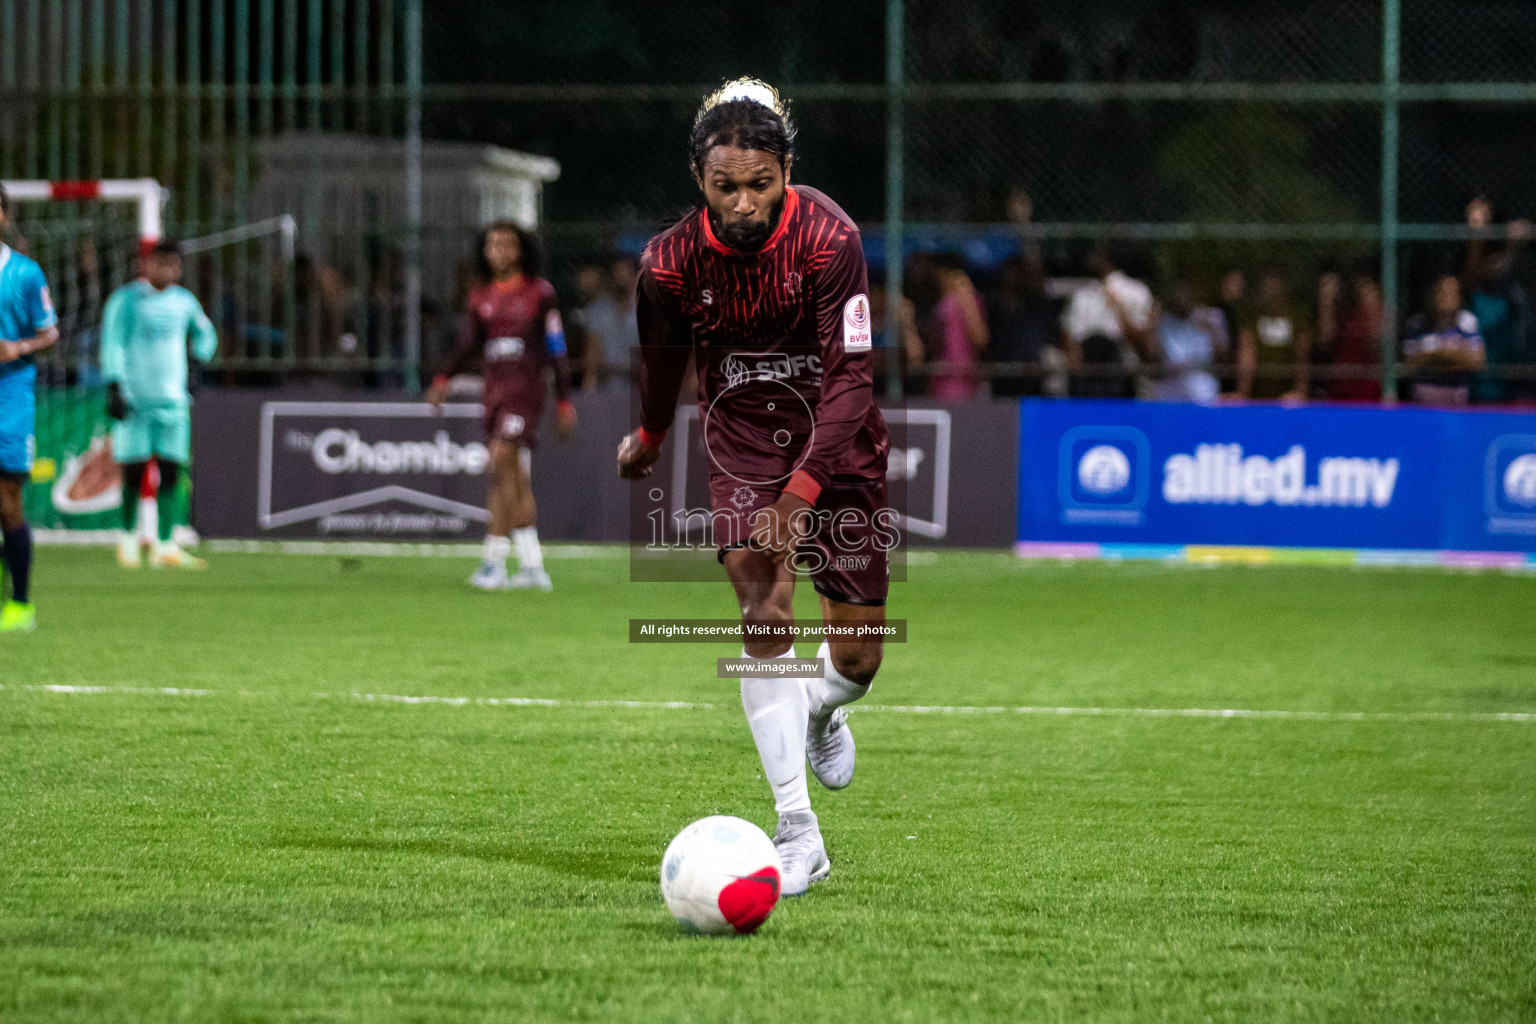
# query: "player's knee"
[[763, 616], [772, 643], [857, 663]]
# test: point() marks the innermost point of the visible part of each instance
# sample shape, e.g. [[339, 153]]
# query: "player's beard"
[[747, 236]]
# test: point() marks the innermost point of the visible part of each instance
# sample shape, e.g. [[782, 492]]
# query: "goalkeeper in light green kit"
[[144, 361]]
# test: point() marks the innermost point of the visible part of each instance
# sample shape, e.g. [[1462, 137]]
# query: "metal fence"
[[1201, 135]]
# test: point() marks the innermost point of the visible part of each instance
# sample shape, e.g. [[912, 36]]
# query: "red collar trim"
[[791, 206]]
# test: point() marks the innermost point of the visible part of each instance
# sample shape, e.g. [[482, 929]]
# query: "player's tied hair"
[[747, 113]]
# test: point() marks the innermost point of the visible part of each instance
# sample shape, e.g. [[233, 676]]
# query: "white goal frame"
[[149, 199], [145, 193]]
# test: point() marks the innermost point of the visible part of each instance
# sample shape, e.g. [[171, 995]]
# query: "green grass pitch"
[[279, 850]]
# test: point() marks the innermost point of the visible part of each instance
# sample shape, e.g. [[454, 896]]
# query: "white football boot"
[[531, 579], [171, 556], [802, 854], [490, 576], [128, 551], [829, 748]]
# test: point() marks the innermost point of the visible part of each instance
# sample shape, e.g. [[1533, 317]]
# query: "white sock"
[[776, 710], [497, 549], [529, 555], [833, 689]]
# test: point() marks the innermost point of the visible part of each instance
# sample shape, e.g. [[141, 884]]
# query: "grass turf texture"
[[263, 853]]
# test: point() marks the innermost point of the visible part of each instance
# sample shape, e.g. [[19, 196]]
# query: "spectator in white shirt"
[[1188, 340], [1108, 327]]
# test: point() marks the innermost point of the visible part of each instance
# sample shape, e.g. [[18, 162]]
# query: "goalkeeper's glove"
[[117, 406]]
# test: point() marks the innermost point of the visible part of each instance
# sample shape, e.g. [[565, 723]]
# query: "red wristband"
[[651, 440], [803, 485]]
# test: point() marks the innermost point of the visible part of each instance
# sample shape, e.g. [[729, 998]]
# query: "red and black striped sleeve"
[[666, 342]]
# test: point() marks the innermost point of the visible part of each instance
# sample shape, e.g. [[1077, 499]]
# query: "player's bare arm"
[[27, 346]]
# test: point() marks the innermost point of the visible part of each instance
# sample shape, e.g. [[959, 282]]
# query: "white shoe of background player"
[[829, 748], [128, 551], [171, 556], [490, 576], [531, 579], [802, 854]]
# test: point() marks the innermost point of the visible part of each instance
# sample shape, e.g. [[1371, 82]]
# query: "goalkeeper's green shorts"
[[164, 433]]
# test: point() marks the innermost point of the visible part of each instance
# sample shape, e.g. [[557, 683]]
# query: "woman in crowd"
[[961, 331], [1349, 330], [1443, 347]]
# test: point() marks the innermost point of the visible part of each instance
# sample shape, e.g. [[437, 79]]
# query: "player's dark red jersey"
[[782, 338], [513, 328]]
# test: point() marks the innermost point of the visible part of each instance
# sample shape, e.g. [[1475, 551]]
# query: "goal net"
[[87, 236]]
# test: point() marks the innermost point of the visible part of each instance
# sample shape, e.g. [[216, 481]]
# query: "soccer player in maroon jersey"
[[513, 327], [766, 286]]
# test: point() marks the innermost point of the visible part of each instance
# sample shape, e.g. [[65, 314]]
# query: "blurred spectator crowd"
[[1116, 322], [1105, 328]]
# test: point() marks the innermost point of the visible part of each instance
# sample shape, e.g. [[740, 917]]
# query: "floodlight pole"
[[413, 195], [895, 113], [1390, 39]]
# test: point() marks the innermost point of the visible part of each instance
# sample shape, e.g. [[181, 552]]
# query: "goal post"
[[145, 194], [90, 237], [75, 489]]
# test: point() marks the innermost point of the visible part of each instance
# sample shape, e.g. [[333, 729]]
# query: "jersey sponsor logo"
[[858, 335], [503, 348], [784, 367], [47, 299], [487, 309], [512, 425], [736, 372]]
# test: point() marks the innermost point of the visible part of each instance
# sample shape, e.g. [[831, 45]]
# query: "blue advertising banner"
[[1129, 473]]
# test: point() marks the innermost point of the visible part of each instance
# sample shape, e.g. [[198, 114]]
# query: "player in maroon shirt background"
[[766, 287], [513, 328]]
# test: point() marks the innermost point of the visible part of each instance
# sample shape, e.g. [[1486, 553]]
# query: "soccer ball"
[[720, 876]]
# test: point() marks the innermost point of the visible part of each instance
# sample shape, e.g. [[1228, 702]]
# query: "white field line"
[[900, 709], [153, 691]]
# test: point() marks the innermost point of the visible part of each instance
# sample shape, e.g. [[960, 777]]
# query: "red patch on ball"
[[747, 902]]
